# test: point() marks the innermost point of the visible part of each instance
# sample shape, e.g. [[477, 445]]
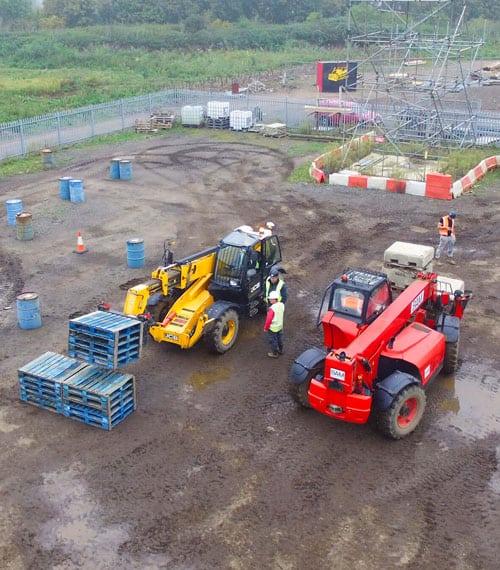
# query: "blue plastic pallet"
[[107, 339], [93, 418], [99, 397], [51, 402], [82, 391], [40, 380]]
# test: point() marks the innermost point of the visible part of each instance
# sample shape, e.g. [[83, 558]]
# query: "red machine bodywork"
[[402, 332]]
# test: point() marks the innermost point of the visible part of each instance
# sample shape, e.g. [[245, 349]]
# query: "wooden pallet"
[[145, 126], [163, 119], [277, 130]]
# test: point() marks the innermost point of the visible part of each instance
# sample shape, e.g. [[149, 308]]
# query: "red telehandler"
[[380, 353]]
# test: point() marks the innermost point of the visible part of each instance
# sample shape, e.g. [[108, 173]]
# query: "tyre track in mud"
[[218, 468]]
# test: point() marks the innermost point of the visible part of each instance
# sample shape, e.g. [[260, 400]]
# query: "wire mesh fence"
[[27, 136]]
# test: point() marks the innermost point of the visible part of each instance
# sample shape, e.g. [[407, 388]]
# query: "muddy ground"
[[218, 468]]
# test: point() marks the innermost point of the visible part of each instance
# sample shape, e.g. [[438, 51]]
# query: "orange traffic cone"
[[80, 248]]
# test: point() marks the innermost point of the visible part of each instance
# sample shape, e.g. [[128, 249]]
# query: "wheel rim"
[[407, 412], [228, 332]]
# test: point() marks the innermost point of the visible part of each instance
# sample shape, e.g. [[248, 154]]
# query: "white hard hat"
[[274, 295], [246, 229]]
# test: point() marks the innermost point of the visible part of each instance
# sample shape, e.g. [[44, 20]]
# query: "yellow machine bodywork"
[[186, 318]]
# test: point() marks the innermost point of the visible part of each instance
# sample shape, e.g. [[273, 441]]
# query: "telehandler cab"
[[380, 353], [205, 294]]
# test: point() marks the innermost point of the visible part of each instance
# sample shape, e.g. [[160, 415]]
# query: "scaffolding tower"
[[416, 74]]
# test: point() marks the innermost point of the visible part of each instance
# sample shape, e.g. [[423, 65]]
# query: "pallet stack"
[[163, 119], [78, 390], [85, 385], [107, 339], [277, 130], [145, 126]]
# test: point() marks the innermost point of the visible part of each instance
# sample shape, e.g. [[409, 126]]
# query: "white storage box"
[[192, 115], [240, 120], [404, 254], [217, 109]]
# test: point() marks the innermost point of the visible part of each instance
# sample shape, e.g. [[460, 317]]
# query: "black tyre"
[[161, 310], [404, 414], [299, 392], [450, 363], [222, 334]]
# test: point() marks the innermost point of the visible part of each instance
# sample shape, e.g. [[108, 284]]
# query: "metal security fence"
[[26, 136]]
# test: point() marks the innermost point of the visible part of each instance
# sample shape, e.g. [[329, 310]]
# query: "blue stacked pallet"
[[107, 339], [99, 397], [40, 380]]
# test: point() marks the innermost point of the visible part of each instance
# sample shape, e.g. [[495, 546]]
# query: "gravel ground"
[[218, 468]]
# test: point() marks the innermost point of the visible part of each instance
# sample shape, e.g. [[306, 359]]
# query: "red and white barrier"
[[467, 182], [436, 185]]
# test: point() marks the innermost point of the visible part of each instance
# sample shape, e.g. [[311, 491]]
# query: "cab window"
[[378, 302]]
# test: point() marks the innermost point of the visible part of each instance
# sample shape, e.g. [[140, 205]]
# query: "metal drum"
[[24, 226], [135, 253], [14, 207], [28, 311]]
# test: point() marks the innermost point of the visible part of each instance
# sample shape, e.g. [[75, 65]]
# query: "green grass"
[[301, 174], [33, 162], [101, 74]]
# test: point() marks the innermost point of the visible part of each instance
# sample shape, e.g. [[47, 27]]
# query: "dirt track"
[[218, 468]]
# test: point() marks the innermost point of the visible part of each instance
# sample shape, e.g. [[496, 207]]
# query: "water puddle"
[[474, 400], [201, 380], [77, 527]]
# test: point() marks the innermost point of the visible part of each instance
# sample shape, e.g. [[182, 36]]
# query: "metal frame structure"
[[416, 75]]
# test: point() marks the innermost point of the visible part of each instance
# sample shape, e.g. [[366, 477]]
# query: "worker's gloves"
[[449, 233]]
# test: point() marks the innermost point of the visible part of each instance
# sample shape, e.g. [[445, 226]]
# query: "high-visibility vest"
[[353, 303], [278, 287], [446, 223], [277, 322]]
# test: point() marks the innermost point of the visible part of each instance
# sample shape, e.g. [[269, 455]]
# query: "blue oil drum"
[[125, 170], [114, 168], [64, 187], [28, 311], [135, 253], [76, 193], [14, 207], [24, 226]]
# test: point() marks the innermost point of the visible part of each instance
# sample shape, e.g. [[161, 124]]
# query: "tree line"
[[198, 13]]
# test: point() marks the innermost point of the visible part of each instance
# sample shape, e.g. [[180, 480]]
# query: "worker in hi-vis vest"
[[274, 325], [275, 283], [446, 227]]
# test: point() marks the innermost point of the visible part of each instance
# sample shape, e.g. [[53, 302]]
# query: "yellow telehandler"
[[204, 295]]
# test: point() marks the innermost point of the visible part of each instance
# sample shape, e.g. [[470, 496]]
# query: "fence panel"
[[20, 138]]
